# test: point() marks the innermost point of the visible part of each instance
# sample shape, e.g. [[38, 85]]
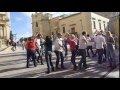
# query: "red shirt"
[[31, 45], [72, 45]]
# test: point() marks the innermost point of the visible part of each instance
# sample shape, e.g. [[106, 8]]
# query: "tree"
[[11, 36], [21, 39]]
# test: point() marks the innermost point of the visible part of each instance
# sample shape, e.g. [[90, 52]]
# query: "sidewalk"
[[114, 74], [8, 50], [3, 48]]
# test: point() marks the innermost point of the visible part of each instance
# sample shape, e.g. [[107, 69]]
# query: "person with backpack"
[[31, 49]]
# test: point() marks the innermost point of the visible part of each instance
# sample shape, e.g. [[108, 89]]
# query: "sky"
[[21, 22]]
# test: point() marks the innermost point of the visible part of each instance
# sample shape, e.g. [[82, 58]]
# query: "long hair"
[[109, 34], [48, 41], [72, 36]]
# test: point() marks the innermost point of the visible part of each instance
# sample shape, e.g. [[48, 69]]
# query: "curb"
[[4, 48]]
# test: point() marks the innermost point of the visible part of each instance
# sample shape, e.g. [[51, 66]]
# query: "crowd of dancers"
[[102, 42]]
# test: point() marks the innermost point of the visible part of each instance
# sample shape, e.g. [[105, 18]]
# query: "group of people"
[[103, 43]]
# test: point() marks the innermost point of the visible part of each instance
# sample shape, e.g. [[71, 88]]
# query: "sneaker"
[[35, 65], [109, 65], [99, 65], [85, 67], [27, 67], [113, 67], [57, 68], [104, 64], [47, 72], [80, 67], [63, 68], [52, 69], [42, 64], [75, 68]]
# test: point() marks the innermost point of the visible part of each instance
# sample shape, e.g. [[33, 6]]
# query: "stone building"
[[105, 14], [83, 21], [114, 25], [41, 24], [4, 28]]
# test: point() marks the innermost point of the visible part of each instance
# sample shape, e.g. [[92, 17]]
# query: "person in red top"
[[31, 49], [73, 51]]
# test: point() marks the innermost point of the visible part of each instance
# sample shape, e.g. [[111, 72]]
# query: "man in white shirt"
[[59, 48], [100, 43], [89, 45], [82, 50]]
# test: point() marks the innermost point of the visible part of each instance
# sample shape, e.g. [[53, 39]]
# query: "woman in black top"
[[48, 53]]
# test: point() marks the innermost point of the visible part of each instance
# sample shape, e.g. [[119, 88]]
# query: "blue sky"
[[21, 22]]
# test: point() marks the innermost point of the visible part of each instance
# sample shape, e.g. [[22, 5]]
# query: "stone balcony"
[[4, 20]]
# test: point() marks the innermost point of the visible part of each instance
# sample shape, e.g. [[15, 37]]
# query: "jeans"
[[104, 54], [31, 54], [73, 58], [110, 56], [66, 50], [59, 56], [96, 52], [83, 59], [23, 46], [100, 55], [48, 59], [40, 56], [89, 48]]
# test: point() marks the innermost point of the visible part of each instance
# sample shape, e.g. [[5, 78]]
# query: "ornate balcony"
[[4, 20]]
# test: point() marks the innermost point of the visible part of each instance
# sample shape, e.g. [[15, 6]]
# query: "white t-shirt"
[[58, 41], [100, 41], [82, 43], [76, 41], [90, 43], [38, 42]]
